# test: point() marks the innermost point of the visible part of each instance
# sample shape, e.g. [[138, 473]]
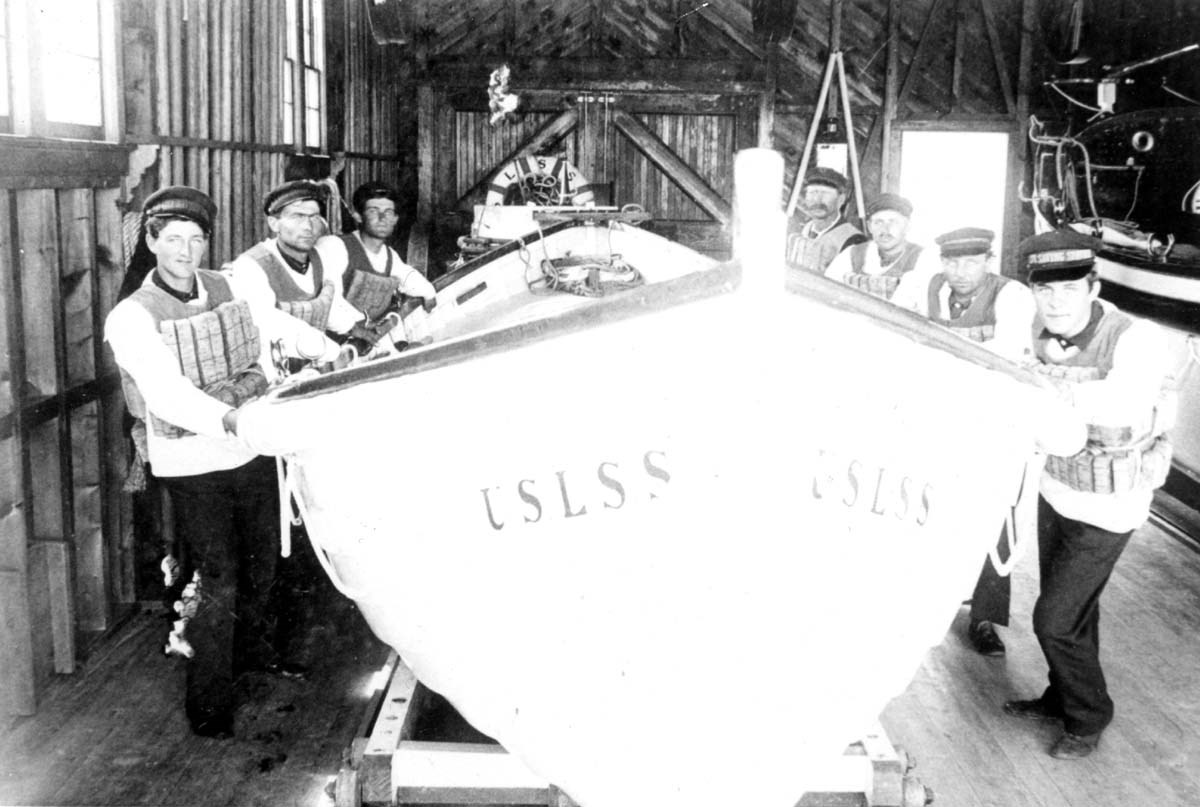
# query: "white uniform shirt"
[[927, 265], [335, 258], [139, 349]]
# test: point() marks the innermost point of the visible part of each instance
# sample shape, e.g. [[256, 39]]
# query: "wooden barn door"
[[671, 153]]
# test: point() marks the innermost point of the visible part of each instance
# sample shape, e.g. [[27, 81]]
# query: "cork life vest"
[[883, 284], [1117, 458], [978, 321], [216, 343], [311, 307], [814, 253], [370, 291]]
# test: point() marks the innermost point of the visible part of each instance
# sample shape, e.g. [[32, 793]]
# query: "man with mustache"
[[826, 233]]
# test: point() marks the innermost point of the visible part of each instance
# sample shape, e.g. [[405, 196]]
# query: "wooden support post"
[[888, 167], [766, 105], [16, 631]]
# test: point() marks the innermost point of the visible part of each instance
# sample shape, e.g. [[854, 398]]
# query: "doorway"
[[954, 179]]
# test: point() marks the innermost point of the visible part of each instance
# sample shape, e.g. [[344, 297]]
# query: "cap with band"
[[965, 241], [1058, 255]]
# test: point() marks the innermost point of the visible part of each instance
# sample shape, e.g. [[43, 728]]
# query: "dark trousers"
[[228, 525], [993, 593], [1076, 560]]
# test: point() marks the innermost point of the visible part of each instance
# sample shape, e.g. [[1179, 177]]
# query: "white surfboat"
[[678, 545]]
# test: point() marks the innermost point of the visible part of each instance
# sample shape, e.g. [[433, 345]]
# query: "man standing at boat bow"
[[188, 353], [972, 300], [827, 232], [1112, 369]]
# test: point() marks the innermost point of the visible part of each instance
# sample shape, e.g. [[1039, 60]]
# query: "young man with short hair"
[[1112, 369], [371, 274], [186, 401]]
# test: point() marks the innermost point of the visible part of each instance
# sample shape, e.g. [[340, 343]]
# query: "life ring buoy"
[[544, 181]]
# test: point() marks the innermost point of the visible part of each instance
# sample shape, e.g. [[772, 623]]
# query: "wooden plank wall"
[[372, 120], [206, 91], [63, 555]]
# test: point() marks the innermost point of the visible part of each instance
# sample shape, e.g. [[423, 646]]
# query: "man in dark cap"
[[189, 357], [969, 298], [285, 271], [826, 233], [877, 267], [1112, 369], [371, 274]]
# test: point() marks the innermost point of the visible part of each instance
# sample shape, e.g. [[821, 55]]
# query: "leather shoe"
[[1074, 746], [984, 639], [1035, 709], [218, 725]]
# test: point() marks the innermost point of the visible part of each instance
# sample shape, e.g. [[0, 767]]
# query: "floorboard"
[[969, 750]]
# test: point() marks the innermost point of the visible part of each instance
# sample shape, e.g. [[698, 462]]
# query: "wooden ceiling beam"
[[989, 22], [598, 75], [670, 164], [914, 70]]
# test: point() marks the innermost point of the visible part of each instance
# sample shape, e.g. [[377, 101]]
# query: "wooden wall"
[[200, 104], [203, 93], [65, 550], [370, 124]]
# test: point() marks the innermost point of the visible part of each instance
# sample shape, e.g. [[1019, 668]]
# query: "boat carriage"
[[676, 544]]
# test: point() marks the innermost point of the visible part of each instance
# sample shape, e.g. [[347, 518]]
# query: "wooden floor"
[[972, 754], [114, 734]]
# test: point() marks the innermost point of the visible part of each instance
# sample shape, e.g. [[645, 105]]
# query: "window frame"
[[27, 108], [304, 55]]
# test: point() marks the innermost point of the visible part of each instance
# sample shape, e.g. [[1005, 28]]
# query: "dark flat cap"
[[889, 201], [1058, 255], [965, 241], [184, 202], [826, 176], [300, 190]]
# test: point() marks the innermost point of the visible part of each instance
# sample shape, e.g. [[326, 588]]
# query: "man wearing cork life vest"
[[189, 356], [827, 232], [285, 271], [1112, 369], [877, 266], [371, 273], [971, 299]]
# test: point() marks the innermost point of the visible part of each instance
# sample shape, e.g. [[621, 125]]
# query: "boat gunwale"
[[704, 284], [695, 286]]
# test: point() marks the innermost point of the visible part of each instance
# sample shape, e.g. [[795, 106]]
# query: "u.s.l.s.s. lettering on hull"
[[562, 494]]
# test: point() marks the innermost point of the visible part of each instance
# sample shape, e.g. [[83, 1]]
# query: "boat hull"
[[678, 547]]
